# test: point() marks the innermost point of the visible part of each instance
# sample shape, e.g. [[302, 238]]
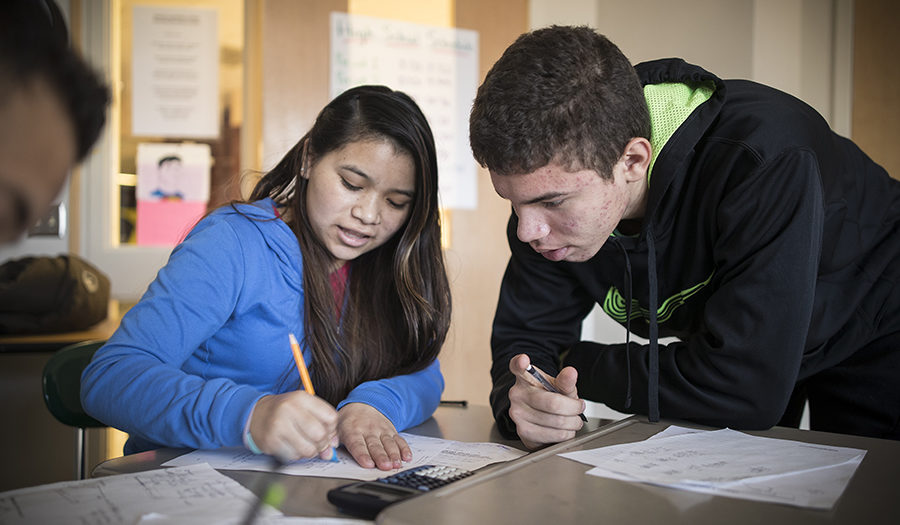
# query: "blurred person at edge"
[[52, 108]]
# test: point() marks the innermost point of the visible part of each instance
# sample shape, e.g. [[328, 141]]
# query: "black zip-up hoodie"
[[769, 247]]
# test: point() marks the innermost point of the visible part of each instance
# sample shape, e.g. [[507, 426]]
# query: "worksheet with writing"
[[425, 451], [730, 463], [184, 495]]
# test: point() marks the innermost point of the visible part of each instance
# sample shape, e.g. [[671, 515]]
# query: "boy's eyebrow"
[[545, 197], [361, 173]]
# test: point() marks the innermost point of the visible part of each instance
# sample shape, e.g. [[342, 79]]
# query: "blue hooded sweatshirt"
[[210, 337]]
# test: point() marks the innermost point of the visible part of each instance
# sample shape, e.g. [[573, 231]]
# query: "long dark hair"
[[397, 311]]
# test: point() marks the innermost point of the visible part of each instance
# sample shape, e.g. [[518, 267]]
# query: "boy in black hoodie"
[[722, 212]]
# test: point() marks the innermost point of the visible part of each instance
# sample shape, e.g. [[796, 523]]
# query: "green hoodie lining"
[[670, 104]]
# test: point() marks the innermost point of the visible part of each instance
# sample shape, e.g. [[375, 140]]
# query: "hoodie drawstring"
[[653, 379], [627, 321], [653, 372]]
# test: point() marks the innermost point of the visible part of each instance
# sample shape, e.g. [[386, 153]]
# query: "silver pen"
[[546, 384]]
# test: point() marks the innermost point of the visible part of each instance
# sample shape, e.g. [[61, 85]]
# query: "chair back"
[[62, 384]]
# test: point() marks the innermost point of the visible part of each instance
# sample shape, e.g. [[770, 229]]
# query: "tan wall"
[[876, 77], [295, 71], [478, 252]]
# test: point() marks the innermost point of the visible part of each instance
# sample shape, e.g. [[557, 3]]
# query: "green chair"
[[62, 393]]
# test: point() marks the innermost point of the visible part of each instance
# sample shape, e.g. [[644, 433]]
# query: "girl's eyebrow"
[[354, 169], [363, 174]]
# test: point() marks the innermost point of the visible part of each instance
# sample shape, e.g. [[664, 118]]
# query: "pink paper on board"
[[172, 190], [166, 222]]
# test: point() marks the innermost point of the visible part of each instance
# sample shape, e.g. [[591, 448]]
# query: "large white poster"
[[175, 72], [436, 66]]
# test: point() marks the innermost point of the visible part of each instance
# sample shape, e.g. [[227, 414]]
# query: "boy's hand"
[[544, 417]]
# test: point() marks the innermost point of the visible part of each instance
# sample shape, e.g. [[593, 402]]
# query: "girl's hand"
[[371, 438], [294, 425]]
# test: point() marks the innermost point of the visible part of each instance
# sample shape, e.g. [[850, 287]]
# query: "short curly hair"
[[559, 94], [34, 45]]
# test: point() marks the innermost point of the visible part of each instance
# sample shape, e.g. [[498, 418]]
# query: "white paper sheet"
[[175, 71], [731, 463], [194, 495], [164, 519], [425, 451], [195, 491]]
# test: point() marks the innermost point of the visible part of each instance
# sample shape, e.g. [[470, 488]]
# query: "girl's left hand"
[[371, 438]]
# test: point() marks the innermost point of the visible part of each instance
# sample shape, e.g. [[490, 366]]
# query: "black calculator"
[[366, 498]]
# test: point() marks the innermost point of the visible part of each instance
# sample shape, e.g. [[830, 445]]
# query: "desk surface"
[[544, 488]]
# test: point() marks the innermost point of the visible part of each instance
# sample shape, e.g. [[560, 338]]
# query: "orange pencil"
[[301, 366], [305, 379]]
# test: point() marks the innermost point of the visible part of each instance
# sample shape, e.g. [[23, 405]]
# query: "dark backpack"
[[51, 294]]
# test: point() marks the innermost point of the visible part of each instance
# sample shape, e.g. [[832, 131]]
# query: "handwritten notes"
[[188, 491], [425, 450], [194, 495], [730, 463]]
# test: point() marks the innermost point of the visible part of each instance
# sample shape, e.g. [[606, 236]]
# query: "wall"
[[295, 56], [478, 253], [876, 99]]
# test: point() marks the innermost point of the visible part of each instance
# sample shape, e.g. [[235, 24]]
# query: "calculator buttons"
[[366, 498], [426, 477]]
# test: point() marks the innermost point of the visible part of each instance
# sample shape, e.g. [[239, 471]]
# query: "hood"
[[677, 150], [277, 235]]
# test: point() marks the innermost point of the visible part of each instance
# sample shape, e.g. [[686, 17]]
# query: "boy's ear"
[[636, 158]]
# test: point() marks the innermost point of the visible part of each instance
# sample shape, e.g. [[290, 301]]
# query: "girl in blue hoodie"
[[340, 245]]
